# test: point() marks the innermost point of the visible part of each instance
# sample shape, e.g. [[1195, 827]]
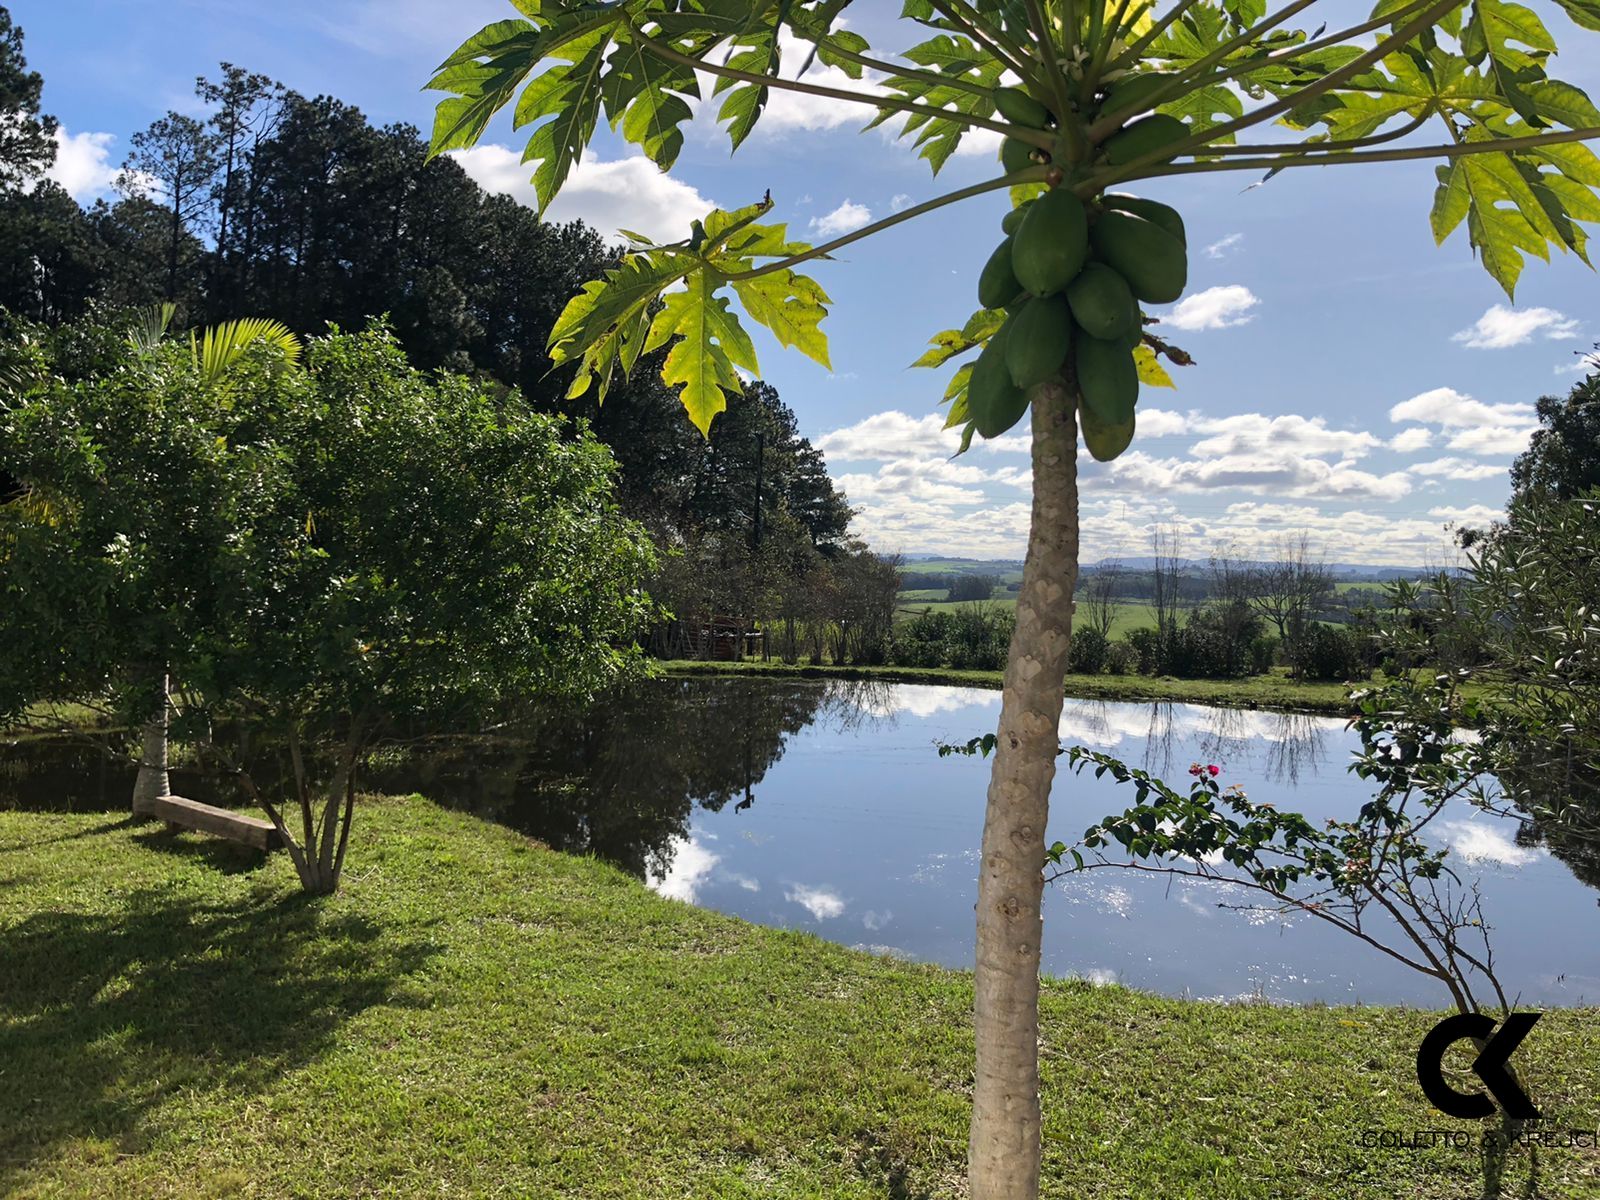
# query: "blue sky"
[[1352, 379]]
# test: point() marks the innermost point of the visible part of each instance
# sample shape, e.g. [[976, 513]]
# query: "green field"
[[1131, 614], [475, 1016]]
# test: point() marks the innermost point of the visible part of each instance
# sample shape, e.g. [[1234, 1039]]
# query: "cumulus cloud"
[[890, 435], [847, 217], [1409, 441], [821, 903], [1458, 468], [1474, 427], [900, 202], [1214, 308], [628, 193], [1220, 247], [1471, 514], [83, 164], [1501, 327], [1255, 434], [1284, 474]]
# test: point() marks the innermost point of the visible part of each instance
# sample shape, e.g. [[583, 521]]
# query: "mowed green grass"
[[475, 1016]]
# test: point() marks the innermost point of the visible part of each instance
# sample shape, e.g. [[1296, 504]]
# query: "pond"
[[823, 805]]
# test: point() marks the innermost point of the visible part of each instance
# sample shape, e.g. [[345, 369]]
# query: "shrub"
[[1145, 645], [1087, 655], [1263, 654], [1121, 659], [1328, 652]]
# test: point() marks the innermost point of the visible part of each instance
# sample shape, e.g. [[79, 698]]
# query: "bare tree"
[[1286, 588], [1101, 595], [1166, 575]]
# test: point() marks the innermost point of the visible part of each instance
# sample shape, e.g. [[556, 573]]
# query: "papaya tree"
[[1090, 97]]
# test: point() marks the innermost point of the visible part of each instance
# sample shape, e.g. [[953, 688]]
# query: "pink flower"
[[1215, 770]]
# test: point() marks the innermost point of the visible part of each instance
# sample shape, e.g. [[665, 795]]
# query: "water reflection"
[[821, 805]]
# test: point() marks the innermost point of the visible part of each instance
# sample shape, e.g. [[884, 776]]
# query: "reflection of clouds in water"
[[875, 921], [1477, 842], [744, 881], [819, 902], [691, 866], [1188, 899], [1099, 976], [926, 700]]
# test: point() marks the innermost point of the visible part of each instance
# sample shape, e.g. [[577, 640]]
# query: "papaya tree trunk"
[[152, 780], [1004, 1149]]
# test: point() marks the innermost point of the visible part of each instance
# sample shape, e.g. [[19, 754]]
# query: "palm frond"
[[151, 327], [220, 346]]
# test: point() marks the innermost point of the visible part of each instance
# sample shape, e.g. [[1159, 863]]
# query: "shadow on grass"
[[105, 1016], [219, 854]]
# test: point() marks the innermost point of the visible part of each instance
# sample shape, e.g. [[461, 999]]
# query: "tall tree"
[[1285, 588], [246, 109], [1106, 94], [1563, 458], [27, 137], [176, 159]]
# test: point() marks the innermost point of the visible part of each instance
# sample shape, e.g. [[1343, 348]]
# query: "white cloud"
[[890, 435], [628, 193], [1494, 439], [1501, 327], [819, 902], [1255, 434], [848, 217], [1477, 842], [1214, 308], [1474, 427], [83, 164], [1471, 514], [1285, 474], [900, 203], [1220, 248], [1409, 441], [1458, 468], [691, 867], [1446, 406], [1161, 422]]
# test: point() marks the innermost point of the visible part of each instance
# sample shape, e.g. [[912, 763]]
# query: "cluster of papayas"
[[1071, 278]]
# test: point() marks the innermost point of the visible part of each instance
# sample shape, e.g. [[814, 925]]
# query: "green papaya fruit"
[[1010, 222], [1108, 381], [1037, 344], [1131, 94], [1151, 210], [1104, 441], [1152, 261], [1143, 136], [1016, 156], [1016, 106], [1051, 243], [1133, 338], [997, 284], [1101, 303], [994, 403]]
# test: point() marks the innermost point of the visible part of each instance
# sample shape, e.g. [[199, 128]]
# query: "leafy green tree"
[[315, 551], [1563, 458], [27, 137], [1106, 95]]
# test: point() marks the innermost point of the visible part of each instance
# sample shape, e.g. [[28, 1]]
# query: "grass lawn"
[[1275, 690], [476, 1016]]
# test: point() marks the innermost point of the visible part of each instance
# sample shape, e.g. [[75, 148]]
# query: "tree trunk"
[[152, 780], [1004, 1149]]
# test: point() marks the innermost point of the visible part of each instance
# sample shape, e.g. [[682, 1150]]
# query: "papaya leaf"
[[952, 343], [1151, 372], [711, 344]]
